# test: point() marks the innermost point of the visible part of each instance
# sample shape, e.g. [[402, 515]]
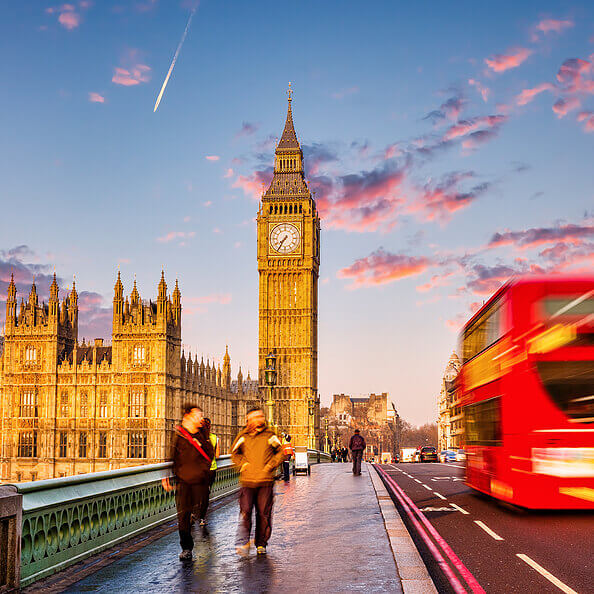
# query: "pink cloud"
[[362, 202], [437, 280], [527, 95], [382, 267], [247, 129], [564, 105], [588, 118], [96, 98], [528, 238], [551, 26], [228, 173], [212, 157], [173, 235], [440, 200], [503, 62], [68, 16], [484, 91], [69, 20], [254, 184], [573, 75], [135, 75], [464, 127]]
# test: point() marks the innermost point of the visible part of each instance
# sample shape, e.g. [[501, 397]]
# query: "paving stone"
[[328, 536]]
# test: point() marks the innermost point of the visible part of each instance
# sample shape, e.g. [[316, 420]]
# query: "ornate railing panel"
[[67, 519]]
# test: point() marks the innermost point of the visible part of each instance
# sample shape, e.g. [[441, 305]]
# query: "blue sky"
[[427, 130]]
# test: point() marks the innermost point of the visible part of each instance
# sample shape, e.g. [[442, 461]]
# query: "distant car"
[[426, 454], [447, 456], [460, 456]]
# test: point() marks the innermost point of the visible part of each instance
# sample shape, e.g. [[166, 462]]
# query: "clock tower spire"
[[288, 266]]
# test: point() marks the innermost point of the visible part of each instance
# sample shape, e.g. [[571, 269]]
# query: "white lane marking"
[[546, 574], [428, 488], [440, 496], [455, 465], [418, 481], [488, 530], [460, 509]]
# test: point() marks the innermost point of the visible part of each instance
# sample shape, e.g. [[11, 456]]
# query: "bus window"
[[482, 333], [571, 386], [568, 306], [483, 422]]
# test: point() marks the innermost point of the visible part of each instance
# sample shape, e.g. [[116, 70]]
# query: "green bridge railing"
[[67, 519]]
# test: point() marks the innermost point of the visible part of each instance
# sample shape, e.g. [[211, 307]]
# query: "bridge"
[[411, 528]]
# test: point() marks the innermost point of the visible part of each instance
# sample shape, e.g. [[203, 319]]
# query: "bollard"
[[11, 505]]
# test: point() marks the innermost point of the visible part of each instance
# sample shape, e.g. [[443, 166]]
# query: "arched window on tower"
[[300, 209], [290, 209]]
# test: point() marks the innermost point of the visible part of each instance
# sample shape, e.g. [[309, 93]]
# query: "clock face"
[[284, 238]]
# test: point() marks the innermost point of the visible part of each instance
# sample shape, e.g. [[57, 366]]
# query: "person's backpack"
[[357, 443]]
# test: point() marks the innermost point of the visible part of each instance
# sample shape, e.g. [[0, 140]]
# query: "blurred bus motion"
[[527, 392]]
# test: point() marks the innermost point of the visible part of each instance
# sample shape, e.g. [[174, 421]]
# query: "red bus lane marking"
[[409, 506]]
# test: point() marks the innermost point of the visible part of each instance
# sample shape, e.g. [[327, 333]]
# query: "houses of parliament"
[[68, 407]]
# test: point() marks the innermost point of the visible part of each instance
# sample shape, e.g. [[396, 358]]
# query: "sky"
[[450, 147]]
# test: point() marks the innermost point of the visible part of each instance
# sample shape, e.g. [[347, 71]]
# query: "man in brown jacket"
[[256, 452]]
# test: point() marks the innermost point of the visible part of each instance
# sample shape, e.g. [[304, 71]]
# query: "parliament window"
[[27, 444], [103, 405], [30, 355], [138, 355], [64, 404], [137, 444], [136, 408], [102, 452], [29, 405], [82, 445], [84, 405], [63, 444]]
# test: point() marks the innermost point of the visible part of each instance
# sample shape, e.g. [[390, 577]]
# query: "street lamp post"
[[326, 421], [270, 378], [311, 410]]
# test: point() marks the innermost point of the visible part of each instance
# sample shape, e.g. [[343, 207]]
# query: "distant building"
[[68, 407], [450, 423], [372, 409]]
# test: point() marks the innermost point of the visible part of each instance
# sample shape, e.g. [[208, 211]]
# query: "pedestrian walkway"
[[329, 535]]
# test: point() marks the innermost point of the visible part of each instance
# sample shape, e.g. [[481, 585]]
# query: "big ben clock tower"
[[288, 265]]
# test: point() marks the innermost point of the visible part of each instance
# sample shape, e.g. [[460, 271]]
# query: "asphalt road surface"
[[507, 550]]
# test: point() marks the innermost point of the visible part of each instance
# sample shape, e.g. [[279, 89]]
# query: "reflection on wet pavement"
[[328, 536]]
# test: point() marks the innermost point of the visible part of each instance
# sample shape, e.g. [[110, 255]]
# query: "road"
[[506, 549]]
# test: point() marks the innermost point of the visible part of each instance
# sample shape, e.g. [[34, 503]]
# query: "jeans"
[[187, 498], [212, 474], [286, 470], [357, 456], [262, 498]]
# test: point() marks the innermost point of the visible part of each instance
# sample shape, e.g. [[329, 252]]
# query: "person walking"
[[357, 445], [192, 455], [345, 454], [288, 453], [256, 452], [212, 473]]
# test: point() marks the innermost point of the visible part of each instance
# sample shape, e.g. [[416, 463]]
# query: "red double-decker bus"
[[527, 392]]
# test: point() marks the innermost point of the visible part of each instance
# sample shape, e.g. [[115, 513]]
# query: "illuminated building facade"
[[288, 265], [71, 408]]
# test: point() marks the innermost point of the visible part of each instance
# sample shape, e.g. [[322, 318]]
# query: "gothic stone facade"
[[288, 265], [450, 426], [71, 408], [372, 409]]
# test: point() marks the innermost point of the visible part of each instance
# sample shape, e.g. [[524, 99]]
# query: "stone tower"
[[288, 266]]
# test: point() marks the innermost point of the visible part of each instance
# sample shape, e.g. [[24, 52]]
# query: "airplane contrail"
[[174, 60]]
